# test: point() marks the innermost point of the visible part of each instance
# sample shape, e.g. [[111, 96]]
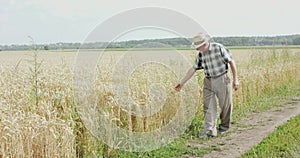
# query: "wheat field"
[[39, 116]]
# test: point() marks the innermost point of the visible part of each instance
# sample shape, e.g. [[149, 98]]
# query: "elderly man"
[[214, 59]]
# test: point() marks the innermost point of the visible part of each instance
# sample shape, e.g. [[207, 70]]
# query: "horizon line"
[[219, 36]]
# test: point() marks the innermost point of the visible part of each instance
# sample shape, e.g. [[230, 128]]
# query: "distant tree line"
[[259, 40], [163, 43]]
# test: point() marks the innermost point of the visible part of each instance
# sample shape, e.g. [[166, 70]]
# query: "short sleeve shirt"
[[214, 61]]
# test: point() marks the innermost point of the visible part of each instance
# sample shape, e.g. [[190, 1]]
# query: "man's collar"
[[210, 47]]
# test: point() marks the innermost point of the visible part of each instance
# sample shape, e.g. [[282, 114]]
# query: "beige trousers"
[[217, 88]]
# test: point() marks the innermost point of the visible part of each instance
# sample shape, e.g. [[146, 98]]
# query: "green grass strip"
[[283, 142], [177, 148]]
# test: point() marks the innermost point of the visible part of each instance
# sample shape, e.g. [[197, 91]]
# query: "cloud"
[[68, 8], [12, 2]]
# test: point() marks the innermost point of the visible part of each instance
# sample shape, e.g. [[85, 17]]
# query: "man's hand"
[[188, 75], [235, 84], [178, 87]]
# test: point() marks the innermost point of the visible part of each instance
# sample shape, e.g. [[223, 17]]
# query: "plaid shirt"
[[215, 61]]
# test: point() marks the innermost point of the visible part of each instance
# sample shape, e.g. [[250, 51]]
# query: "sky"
[[52, 21]]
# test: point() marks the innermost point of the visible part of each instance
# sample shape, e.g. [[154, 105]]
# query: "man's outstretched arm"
[[188, 75]]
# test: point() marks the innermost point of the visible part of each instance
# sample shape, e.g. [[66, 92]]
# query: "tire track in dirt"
[[248, 132]]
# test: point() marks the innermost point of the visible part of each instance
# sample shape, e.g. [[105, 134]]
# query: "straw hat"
[[200, 39]]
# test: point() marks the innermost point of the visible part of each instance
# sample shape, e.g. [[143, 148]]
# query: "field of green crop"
[[39, 116]]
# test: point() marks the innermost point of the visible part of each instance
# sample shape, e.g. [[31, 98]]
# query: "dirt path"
[[249, 132]]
